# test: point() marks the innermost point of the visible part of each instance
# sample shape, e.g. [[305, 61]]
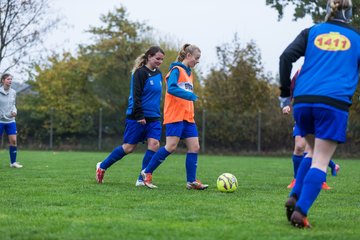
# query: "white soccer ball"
[[227, 182]]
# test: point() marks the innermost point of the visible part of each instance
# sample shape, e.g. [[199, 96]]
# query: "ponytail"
[[186, 48]]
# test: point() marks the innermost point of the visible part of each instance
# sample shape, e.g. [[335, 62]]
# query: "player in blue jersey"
[[322, 97], [142, 114]]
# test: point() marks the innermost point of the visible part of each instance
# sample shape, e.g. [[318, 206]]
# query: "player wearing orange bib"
[[179, 117]]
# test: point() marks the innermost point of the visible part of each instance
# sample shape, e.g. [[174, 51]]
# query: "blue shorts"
[[136, 132], [182, 130], [296, 131], [321, 120], [10, 128]]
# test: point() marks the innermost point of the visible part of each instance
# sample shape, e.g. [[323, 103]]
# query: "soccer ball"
[[227, 182]]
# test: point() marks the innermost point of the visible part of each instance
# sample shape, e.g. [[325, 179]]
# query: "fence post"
[[203, 131], [259, 132], [51, 128], [100, 129]]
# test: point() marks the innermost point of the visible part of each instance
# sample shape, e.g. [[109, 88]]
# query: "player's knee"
[[171, 147], [299, 150], [154, 146], [128, 148], [195, 148]]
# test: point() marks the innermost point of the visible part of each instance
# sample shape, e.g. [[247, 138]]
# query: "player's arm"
[[291, 54], [175, 90], [139, 79]]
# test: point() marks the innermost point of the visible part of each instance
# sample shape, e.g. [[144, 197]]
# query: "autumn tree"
[[236, 91], [63, 94]]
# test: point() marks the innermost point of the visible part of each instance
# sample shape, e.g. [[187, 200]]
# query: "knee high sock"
[[147, 157], [157, 159], [191, 166], [117, 154], [12, 152], [302, 171], [332, 164], [296, 162], [311, 189]]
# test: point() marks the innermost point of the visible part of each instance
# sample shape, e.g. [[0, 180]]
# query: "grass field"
[[55, 196]]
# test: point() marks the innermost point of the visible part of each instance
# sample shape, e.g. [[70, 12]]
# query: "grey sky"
[[206, 23]]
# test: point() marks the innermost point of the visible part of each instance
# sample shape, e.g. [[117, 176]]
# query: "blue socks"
[[296, 162], [157, 159], [311, 189], [191, 165], [147, 157], [117, 154], [332, 164], [301, 173], [12, 152]]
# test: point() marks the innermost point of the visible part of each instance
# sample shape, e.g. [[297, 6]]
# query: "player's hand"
[[13, 114], [284, 101], [142, 121], [286, 110]]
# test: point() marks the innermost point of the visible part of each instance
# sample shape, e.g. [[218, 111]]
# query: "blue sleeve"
[[174, 89]]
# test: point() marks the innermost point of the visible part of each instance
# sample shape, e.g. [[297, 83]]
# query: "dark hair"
[[4, 76], [143, 58], [186, 48]]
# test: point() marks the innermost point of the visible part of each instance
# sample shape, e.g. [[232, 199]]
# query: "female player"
[[179, 117], [8, 113], [143, 112], [322, 98]]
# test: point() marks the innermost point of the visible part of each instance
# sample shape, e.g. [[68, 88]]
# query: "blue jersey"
[[145, 95], [330, 71]]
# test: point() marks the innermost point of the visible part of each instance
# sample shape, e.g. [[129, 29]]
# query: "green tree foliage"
[[235, 94], [62, 90], [117, 44], [314, 8]]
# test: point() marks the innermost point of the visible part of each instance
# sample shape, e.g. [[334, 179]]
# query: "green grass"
[[55, 196]]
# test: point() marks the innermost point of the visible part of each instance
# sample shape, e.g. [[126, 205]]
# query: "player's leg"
[[298, 155], [134, 133], [153, 135], [11, 131]]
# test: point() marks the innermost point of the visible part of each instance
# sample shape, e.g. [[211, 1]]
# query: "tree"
[[22, 25], [235, 92], [63, 90], [314, 8]]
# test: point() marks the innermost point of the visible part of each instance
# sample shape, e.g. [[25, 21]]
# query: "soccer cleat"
[[292, 184], [290, 207], [300, 221], [325, 186], [99, 173], [139, 183], [197, 185], [335, 170], [147, 179], [16, 165]]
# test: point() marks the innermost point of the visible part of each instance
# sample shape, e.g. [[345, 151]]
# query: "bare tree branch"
[[23, 23]]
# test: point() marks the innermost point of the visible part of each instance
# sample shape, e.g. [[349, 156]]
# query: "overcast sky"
[[206, 23]]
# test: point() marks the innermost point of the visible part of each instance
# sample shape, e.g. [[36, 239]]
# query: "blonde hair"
[[187, 48], [333, 6], [143, 58]]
